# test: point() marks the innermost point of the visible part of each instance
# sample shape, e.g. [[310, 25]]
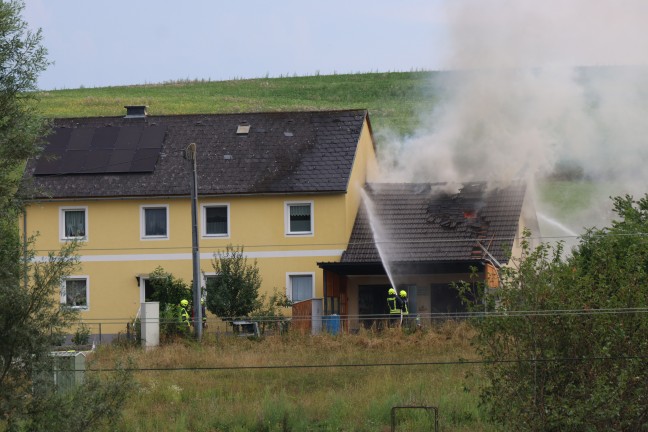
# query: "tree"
[[566, 345], [31, 320], [269, 311], [234, 292], [31, 323], [22, 58], [168, 290]]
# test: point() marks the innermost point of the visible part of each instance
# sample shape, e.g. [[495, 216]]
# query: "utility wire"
[[356, 365], [343, 244], [437, 316]]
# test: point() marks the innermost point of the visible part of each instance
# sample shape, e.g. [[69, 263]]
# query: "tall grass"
[[301, 393]]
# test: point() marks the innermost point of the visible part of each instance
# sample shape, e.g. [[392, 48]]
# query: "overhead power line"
[[357, 365], [439, 315], [420, 241]]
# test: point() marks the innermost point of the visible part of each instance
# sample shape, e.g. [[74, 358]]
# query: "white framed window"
[[154, 221], [215, 220], [73, 223], [300, 286], [209, 279], [75, 292], [145, 287], [299, 218]]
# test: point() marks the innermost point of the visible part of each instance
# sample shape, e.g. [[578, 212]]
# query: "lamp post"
[[190, 154]]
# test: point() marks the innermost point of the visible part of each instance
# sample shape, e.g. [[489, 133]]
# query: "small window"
[[74, 223], [215, 220], [300, 287], [155, 222], [147, 292], [150, 293], [210, 282], [74, 292], [299, 218]]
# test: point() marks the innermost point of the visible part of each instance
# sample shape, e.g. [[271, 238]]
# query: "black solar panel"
[[101, 150], [104, 138], [94, 162], [80, 139], [121, 160], [143, 158]]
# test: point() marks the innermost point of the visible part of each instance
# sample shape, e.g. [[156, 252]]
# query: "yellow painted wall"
[[365, 169], [114, 253]]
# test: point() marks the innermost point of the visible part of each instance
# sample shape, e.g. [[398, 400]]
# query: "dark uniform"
[[404, 307]]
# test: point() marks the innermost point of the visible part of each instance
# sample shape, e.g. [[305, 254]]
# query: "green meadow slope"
[[394, 100]]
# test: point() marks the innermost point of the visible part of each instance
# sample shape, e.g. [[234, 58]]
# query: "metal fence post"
[[429, 409]]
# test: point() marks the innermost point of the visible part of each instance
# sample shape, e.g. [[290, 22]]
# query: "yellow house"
[[284, 186]]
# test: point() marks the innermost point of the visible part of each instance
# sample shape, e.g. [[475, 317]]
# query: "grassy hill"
[[394, 100]]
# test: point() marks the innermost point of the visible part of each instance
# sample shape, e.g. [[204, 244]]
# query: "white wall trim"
[[63, 300], [289, 285], [142, 287], [143, 235], [203, 256], [287, 232], [203, 220], [62, 211]]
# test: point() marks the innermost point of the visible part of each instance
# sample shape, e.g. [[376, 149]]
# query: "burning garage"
[[421, 238]]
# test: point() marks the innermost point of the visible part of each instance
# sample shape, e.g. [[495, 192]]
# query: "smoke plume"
[[534, 86]]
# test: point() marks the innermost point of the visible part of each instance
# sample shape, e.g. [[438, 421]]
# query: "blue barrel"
[[332, 324]]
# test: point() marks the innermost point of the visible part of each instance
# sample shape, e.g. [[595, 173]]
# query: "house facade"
[[284, 186], [422, 238]]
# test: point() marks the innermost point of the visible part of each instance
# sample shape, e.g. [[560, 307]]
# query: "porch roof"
[[377, 268]]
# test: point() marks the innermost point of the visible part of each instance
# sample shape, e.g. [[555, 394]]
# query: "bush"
[[269, 313], [234, 292], [81, 335], [565, 339]]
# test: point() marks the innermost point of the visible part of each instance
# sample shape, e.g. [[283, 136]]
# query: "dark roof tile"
[[421, 223], [318, 157]]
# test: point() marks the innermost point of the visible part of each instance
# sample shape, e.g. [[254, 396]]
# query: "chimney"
[[135, 111]]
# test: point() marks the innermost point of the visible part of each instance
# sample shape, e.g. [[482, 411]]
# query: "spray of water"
[[553, 222], [380, 238]]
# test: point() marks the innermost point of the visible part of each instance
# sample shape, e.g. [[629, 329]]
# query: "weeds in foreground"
[[305, 383]]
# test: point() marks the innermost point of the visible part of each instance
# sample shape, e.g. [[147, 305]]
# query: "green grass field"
[[394, 100], [287, 397]]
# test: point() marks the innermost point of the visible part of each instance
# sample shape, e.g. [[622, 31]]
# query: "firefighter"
[[203, 310], [404, 306], [184, 320], [394, 303]]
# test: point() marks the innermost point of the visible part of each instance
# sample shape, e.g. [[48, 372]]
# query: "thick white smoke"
[[531, 84]]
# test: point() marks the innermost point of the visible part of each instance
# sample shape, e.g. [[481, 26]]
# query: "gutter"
[[184, 197]]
